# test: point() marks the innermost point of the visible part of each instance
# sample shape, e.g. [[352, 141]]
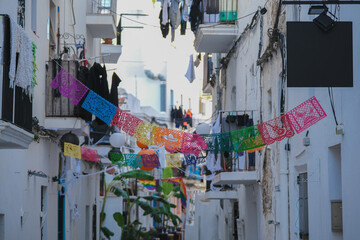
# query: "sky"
[[146, 49]]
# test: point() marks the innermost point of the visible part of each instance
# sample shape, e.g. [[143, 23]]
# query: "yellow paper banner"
[[72, 150], [173, 160]]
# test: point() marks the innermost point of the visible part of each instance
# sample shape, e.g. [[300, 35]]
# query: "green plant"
[[131, 229]]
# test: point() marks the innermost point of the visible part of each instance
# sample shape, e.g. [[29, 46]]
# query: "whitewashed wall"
[[326, 181]]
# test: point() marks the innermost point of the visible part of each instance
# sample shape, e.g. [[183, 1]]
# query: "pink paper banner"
[[276, 129], [69, 86], [193, 143], [306, 114], [130, 124], [89, 154], [119, 118]]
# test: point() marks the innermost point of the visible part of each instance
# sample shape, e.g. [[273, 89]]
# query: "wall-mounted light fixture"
[[317, 9], [324, 22]]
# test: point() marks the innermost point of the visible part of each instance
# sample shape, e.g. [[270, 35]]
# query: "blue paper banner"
[[100, 107]]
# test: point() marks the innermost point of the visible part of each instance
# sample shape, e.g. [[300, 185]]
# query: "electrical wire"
[[146, 24], [331, 97]]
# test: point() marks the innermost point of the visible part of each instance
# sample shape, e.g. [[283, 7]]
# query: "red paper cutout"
[[276, 129], [89, 154], [130, 124], [193, 143], [306, 114], [119, 118]]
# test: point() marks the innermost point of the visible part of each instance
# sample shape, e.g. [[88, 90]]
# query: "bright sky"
[[146, 49]]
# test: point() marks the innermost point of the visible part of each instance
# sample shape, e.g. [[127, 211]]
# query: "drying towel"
[[25, 68], [13, 46], [190, 74]]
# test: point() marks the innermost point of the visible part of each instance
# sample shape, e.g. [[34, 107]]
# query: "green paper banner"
[[246, 138]]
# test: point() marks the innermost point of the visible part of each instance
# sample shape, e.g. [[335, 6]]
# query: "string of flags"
[[253, 137]]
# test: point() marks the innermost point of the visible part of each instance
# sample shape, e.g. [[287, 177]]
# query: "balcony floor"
[[215, 39], [101, 25], [111, 52], [221, 195], [246, 178]]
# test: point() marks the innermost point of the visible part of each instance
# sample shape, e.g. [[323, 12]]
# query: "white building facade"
[[296, 191], [46, 195]]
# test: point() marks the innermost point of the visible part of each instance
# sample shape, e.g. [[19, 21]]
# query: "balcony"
[[61, 114], [110, 52], [240, 170], [101, 18], [15, 104], [218, 31], [13, 137]]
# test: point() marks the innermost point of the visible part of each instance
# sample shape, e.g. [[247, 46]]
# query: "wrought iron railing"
[[219, 11], [57, 105], [106, 7]]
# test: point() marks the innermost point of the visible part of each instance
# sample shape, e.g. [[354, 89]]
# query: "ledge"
[[14, 137], [221, 195], [62, 125], [246, 178], [111, 52], [215, 38]]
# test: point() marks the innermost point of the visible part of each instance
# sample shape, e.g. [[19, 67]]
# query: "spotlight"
[[317, 9], [263, 11], [324, 22]]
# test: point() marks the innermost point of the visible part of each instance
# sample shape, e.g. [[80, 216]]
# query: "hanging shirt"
[[164, 27]]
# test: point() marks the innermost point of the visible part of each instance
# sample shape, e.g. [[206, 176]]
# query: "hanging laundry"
[[212, 6], [242, 120], [195, 17], [183, 21], [13, 46], [164, 16], [197, 60], [185, 12], [83, 76], [113, 98], [175, 17], [190, 74], [99, 83], [24, 69], [164, 27]]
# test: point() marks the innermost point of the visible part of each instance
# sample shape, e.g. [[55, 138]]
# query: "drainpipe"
[[284, 195]]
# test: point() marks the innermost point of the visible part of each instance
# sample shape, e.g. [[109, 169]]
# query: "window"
[[172, 98], [162, 97], [87, 222], [43, 216], [94, 235], [303, 206], [335, 189], [2, 226], [61, 216], [33, 15]]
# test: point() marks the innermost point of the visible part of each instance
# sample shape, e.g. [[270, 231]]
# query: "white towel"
[[13, 46], [190, 74], [25, 67]]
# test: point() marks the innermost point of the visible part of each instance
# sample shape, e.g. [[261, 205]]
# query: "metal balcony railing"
[[219, 11], [106, 7], [57, 105]]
